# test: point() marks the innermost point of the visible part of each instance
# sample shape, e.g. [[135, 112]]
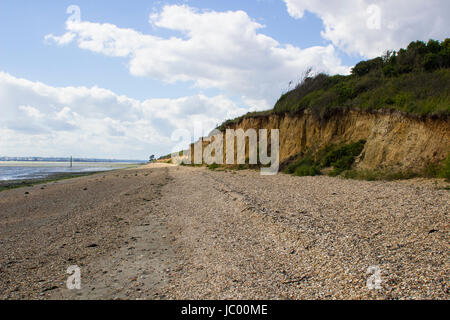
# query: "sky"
[[125, 79]]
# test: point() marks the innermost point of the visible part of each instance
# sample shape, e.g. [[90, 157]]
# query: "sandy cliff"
[[394, 140]]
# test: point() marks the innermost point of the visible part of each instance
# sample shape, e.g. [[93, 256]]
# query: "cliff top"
[[415, 80]]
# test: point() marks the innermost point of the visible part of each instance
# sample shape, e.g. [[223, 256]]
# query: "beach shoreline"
[[57, 176], [169, 232]]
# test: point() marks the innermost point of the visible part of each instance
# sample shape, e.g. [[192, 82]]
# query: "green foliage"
[[213, 166], [430, 170], [303, 162], [56, 177], [445, 170], [418, 93], [376, 175], [415, 80], [364, 67], [306, 170], [341, 158]]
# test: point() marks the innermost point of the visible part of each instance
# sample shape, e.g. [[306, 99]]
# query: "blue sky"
[[118, 83], [24, 52]]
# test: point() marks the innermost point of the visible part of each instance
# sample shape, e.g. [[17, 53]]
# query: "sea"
[[30, 170]]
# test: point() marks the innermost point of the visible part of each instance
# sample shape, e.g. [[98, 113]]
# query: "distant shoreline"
[[19, 173], [53, 177], [58, 159]]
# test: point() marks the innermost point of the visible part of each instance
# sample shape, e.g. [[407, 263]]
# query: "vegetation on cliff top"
[[415, 80]]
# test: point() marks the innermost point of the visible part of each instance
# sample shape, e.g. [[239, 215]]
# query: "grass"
[[379, 175], [213, 166], [421, 93]]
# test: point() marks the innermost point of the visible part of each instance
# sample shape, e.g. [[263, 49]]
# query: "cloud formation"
[[222, 50], [369, 28], [95, 122]]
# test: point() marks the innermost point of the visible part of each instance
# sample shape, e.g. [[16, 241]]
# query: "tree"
[[433, 46], [152, 158], [364, 67], [431, 61]]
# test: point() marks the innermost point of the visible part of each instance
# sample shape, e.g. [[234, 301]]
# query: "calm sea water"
[[16, 170]]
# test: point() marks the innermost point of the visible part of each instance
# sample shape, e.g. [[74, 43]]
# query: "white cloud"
[[38, 119], [222, 50], [369, 27], [62, 40]]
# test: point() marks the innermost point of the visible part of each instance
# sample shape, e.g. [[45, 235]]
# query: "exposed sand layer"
[[164, 232]]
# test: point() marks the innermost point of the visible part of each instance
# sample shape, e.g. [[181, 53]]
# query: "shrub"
[[344, 156], [307, 161], [390, 70], [431, 61], [341, 158], [415, 73], [364, 67], [213, 166]]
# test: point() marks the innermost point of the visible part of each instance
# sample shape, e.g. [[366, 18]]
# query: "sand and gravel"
[[167, 232]]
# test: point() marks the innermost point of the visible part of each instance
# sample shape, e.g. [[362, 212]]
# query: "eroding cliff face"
[[393, 140]]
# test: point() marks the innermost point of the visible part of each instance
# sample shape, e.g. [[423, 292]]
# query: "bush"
[[307, 161], [344, 163], [419, 73], [431, 61], [341, 158], [364, 67], [344, 156], [306, 170], [213, 166], [390, 71]]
